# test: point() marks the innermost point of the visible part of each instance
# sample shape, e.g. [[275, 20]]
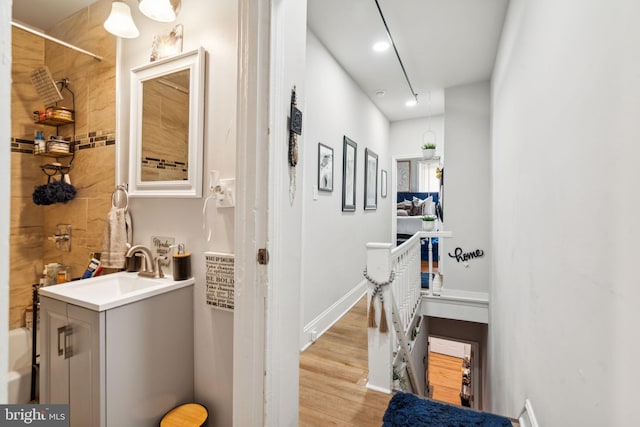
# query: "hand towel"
[[115, 239]]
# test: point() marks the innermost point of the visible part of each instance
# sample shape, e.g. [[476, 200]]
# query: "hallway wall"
[[467, 192], [563, 315], [334, 241]]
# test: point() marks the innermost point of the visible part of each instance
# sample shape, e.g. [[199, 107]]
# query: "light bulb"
[[120, 23], [381, 46], [160, 10]]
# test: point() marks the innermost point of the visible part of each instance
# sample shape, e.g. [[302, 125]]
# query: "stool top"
[[189, 414]]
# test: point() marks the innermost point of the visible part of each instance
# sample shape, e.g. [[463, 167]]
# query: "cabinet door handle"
[[61, 330], [68, 350]]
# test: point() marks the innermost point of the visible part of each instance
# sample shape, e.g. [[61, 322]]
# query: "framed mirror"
[[167, 127]]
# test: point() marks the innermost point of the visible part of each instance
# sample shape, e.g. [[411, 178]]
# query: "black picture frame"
[[370, 180], [349, 167], [325, 168]]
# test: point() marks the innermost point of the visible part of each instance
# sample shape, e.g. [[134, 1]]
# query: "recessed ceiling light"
[[380, 93], [381, 46], [411, 103]]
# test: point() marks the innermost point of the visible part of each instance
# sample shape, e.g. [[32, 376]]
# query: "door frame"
[[251, 279], [271, 58]]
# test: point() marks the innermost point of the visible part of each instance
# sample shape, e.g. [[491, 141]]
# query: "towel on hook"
[[115, 239]]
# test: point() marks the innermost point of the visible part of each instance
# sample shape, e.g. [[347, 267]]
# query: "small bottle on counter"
[[181, 264]]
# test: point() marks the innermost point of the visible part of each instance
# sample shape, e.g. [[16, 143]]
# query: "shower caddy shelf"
[[57, 122]]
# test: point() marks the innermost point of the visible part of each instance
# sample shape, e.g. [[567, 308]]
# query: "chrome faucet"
[[151, 267]]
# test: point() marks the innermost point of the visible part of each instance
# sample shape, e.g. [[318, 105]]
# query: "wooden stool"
[[187, 415]]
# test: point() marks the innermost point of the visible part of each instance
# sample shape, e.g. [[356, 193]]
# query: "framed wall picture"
[[383, 183], [325, 168], [349, 163], [370, 180], [404, 175]]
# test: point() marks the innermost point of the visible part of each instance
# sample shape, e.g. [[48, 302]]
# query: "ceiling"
[[43, 14], [442, 43]]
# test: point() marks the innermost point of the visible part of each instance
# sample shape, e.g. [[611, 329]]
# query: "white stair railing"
[[401, 302]]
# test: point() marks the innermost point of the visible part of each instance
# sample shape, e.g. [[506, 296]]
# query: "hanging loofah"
[[53, 192]]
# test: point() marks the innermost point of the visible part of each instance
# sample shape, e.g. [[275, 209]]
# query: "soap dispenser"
[[181, 264]]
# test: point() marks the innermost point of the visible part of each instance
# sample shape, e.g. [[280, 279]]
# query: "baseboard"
[[318, 326], [376, 388]]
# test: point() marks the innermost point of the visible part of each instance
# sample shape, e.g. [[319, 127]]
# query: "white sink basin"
[[112, 290]]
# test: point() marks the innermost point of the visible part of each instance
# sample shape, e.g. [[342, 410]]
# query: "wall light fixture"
[[120, 23]]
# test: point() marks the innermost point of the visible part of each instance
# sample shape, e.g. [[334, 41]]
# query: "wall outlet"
[[313, 335]]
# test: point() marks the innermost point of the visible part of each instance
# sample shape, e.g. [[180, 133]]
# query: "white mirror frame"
[[192, 186]]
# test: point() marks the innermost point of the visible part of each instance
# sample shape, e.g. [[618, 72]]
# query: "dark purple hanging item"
[[54, 192]]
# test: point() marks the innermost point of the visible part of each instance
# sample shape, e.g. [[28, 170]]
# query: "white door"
[[268, 214]]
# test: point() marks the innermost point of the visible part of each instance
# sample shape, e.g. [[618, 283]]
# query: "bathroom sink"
[[112, 290]]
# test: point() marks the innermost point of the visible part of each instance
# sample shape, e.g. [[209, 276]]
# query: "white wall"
[[333, 247], [563, 314], [467, 199], [213, 25], [405, 136], [406, 139], [5, 188]]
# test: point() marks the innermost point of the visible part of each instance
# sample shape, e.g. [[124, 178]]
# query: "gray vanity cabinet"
[[71, 362], [125, 366]]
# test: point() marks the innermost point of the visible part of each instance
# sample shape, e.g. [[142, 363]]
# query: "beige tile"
[[25, 260], [24, 214], [94, 172], [27, 55], [55, 60], [25, 174], [98, 12], [102, 101], [73, 212], [93, 83], [74, 29]]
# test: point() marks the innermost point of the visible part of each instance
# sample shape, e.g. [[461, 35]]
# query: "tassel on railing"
[[383, 318], [377, 291], [372, 311]]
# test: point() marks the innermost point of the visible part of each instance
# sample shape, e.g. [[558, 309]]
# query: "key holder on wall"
[[295, 129]]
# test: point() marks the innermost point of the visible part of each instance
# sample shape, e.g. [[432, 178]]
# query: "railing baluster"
[[404, 293]]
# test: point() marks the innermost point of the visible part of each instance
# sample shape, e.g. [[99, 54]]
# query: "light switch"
[[315, 192]]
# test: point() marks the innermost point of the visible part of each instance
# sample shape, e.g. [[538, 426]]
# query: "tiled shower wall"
[[93, 83]]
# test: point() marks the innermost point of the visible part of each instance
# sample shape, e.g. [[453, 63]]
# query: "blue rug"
[[408, 410], [424, 279]]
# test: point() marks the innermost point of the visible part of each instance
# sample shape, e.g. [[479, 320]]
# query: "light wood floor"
[[333, 374], [445, 376]]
